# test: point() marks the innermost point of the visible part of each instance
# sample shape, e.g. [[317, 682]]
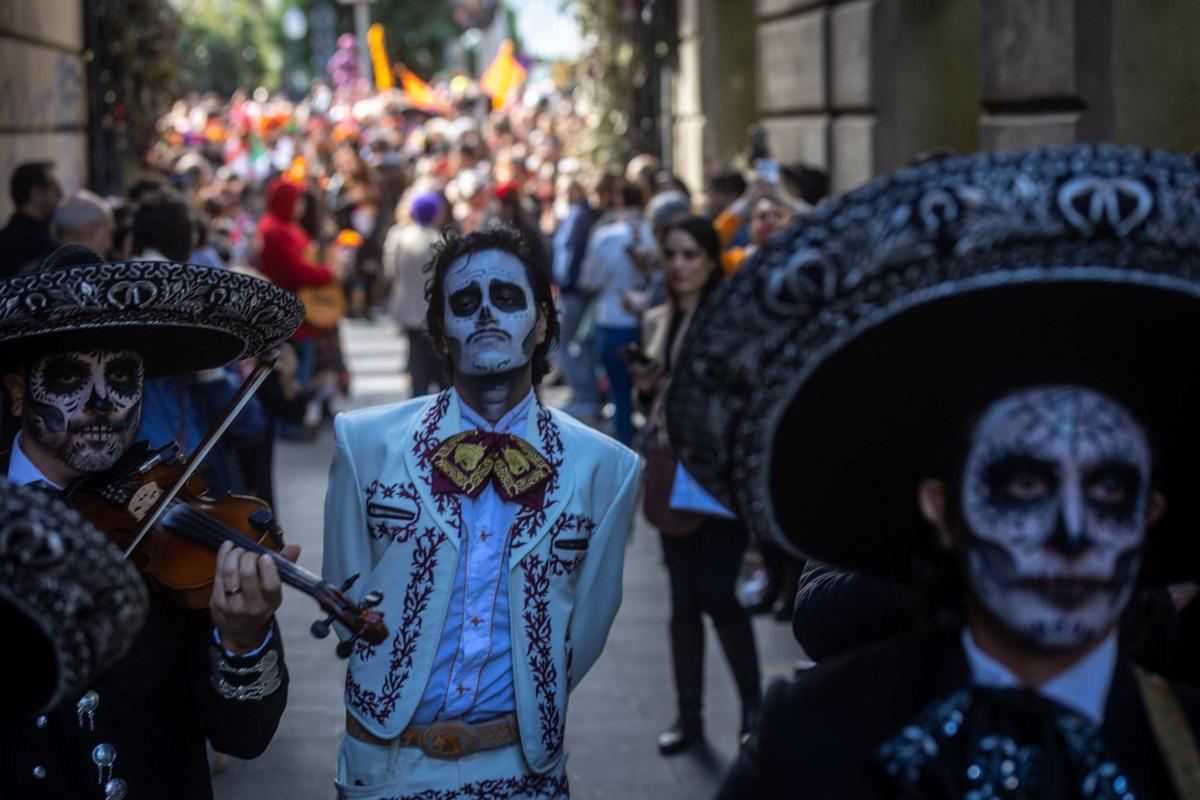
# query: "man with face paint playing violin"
[[75, 353], [495, 528], [1028, 468]]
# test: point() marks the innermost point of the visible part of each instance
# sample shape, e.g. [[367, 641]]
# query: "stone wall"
[[860, 87], [715, 87], [43, 104], [1059, 71]]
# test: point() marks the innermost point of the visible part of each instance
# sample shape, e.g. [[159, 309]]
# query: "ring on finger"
[[233, 591]]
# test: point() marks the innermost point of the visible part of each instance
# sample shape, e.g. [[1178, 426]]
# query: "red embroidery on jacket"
[[380, 705], [425, 442], [536, 615], [528, 520], [580, 524], [385, 529]]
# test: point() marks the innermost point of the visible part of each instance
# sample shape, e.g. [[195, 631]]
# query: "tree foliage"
[[418, 32], [134, 69], [228, 44], [613, 72]]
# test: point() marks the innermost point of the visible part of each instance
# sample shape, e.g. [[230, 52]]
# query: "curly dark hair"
[[507, 239]]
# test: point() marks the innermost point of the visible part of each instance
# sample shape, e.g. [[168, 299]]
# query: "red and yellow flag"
[[503, 76]]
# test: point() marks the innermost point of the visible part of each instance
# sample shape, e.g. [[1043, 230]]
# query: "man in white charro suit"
[[495, 528]]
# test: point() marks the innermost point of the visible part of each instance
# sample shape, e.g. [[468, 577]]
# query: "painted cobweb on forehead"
[[1086, 422]]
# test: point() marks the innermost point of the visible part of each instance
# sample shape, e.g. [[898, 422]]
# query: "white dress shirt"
[[21, 470], [1082, 687]]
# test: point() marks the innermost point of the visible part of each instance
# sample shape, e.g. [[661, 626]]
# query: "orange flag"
[[503, 76], [379, 57], [420, 92]]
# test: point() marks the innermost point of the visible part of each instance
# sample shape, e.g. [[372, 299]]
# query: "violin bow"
[[262, 369]]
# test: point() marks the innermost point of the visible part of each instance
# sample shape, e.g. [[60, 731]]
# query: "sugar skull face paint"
[[1054, 496], [85, 407], [490, 315]]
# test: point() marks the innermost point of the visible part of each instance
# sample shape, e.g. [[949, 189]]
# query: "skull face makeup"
[[84, 407], [490, 315], [1054, 496]]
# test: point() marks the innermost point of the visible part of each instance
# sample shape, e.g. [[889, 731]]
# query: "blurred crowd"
[[340, 198]]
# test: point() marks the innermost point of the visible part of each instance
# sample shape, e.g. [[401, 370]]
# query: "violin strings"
[[212, 533]]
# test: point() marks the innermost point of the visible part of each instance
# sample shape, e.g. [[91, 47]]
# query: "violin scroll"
[[361, 620]]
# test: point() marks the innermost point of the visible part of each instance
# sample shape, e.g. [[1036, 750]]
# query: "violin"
[[177, 552]]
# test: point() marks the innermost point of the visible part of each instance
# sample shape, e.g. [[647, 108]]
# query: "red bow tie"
[[468, 461]]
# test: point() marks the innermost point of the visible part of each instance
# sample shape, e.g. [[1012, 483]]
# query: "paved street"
[[615, 714]]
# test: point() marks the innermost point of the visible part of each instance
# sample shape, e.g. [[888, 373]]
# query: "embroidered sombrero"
[[180, 317], [817, 387], [71, 603]]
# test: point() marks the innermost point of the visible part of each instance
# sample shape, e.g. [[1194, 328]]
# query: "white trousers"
[[394, 772]]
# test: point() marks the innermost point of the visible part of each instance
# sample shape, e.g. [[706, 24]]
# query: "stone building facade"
[[861, 87], [43, 90]]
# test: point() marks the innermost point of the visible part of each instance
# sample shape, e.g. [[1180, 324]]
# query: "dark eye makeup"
[[65, 374], [507, 296], [466, 301], [1114, 486], [1016, 480], [123, 373]]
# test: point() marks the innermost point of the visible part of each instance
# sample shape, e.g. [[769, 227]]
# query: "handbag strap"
[[1172, 732]]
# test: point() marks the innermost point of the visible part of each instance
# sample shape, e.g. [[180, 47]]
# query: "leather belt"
[[449, 739]]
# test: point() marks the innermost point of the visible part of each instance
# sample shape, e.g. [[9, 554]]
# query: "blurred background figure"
[[570, 244], [408, 248], [610, 271], [36, 191], [85, 218]]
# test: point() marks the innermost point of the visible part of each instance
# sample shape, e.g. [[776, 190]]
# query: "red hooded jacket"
[[284, 244]]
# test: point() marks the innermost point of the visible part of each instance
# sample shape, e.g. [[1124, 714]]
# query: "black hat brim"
[[179, 317]]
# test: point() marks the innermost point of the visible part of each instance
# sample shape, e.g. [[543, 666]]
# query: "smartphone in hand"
[[633, 354]]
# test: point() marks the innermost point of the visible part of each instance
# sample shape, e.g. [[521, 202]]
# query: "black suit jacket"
[[819, 732], [157, 706], [24, 242]]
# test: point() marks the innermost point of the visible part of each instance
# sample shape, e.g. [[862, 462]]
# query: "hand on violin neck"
[[246, 593]]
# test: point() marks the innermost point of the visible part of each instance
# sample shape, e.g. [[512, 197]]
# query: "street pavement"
[[615, 713]]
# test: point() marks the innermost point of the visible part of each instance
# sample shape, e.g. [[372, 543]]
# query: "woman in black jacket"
[[703, 551]]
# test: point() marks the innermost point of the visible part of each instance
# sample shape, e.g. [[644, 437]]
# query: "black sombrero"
[[817, 386], [180, 317], [69, 598]]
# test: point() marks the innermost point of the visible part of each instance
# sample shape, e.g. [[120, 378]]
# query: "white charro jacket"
[[565, 564]]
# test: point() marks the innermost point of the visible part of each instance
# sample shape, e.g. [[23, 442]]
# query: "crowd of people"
[[988, 598]]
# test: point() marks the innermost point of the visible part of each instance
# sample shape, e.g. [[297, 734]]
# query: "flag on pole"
[[504, 75], [379, 57]]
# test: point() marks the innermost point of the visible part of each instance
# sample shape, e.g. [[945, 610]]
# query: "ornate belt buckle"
[[448, 740]]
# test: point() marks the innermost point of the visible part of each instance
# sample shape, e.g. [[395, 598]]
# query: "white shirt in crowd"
[[406, 251], [609, 271]]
